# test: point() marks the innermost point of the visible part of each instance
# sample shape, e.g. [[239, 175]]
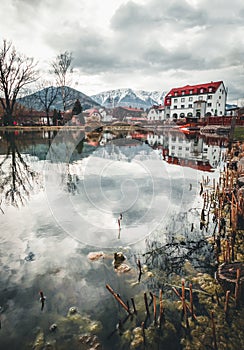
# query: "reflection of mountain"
[[126, 150], [18, 179]]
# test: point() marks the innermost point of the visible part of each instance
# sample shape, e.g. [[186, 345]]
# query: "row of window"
[[180, 148], [201, 90], [183, 99], [190, 106]]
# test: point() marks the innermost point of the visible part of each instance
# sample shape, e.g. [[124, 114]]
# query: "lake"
[[61, 195]]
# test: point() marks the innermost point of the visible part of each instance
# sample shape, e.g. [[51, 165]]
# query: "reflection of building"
[[196, 101], [192, 152], [155, 139]]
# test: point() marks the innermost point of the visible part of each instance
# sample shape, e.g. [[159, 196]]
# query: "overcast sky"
[[141, 44]]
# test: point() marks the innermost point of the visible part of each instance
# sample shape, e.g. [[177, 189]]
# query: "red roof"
[[194, 89], [132, 109]]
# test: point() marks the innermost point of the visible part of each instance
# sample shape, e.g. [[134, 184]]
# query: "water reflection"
[[88, 180], [18, 179]]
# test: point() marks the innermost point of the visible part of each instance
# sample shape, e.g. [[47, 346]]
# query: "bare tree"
[[16, 71], [62, 66], [46, 97]]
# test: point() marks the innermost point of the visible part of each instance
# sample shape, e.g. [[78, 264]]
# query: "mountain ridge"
[[126, 97]]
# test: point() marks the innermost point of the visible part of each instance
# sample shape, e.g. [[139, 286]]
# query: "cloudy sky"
[[141, 44]]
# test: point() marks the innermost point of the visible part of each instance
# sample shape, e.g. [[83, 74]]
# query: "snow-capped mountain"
[[129, 97]]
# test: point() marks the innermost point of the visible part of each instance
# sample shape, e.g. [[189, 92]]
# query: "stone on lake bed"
[[53, 327], [95, 255], [123, 268], [118, 259], [39, 341]]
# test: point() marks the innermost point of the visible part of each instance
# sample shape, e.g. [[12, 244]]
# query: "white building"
[[196, 101], [156, 113], [105, 115]]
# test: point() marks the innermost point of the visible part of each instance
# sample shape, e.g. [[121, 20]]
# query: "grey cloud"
[[155, 14], [140, 34]]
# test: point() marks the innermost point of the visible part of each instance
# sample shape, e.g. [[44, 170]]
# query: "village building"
[[196, 101], [92, 116], [156, 113], [106, 115], [127, 113]]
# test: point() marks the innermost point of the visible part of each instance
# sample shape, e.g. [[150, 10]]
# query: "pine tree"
[[77, 109]]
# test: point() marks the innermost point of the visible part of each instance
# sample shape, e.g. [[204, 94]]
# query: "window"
[[190, 98], [200, 98], [175, 107], [180, 148], [187, 148], [190, 105], [201, 91], [176, 93], [173, 147], [220, 97], [175, 100], [182, 99], [210, 89], [191, 92], [209, 104], [183, 92], [182, 106], [210, 97]]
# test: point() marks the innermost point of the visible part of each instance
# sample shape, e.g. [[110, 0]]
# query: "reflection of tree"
[[17, 178]]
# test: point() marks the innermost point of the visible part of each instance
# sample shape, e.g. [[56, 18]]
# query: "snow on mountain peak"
[[128, 97]]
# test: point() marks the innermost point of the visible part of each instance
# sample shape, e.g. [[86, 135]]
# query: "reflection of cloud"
[[114, 179]]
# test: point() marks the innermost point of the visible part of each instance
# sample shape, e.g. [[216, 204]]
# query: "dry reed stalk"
[[120, 301]]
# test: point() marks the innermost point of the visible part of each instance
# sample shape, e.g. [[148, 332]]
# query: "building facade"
[[156, 113], [196, 101]]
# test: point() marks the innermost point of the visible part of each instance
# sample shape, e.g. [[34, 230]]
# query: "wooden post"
[[179, 296], [143, 332], [191, 302], [214, 332], [184, 303], [154, 309], [238, 275], [146, 303], [120, 301], [134, 306], [140, 270], [160, 306], [227, 297], [217, 297]]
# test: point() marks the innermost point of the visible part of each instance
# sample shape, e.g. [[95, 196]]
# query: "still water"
[[61, 194]]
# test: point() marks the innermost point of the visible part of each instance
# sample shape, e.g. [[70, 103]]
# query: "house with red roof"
[[92, 116], [196, 101]]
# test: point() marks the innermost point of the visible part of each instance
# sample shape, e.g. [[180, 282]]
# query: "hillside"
[[33, 101]]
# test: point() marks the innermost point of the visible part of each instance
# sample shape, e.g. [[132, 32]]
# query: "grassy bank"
[[239, 133]]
